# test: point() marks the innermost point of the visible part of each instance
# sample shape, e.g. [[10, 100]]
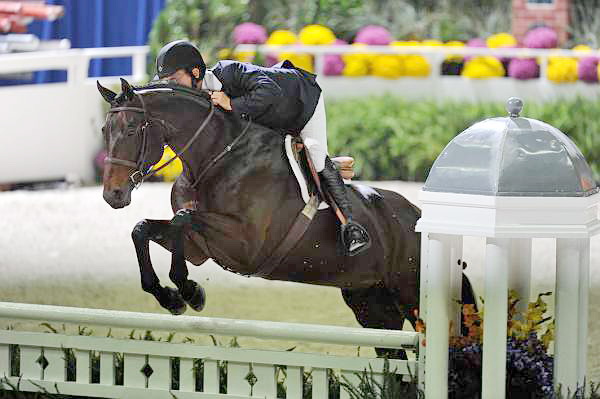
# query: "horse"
[[236, 199]]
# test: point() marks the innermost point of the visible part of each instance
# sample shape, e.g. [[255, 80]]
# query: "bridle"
[[138, 175]]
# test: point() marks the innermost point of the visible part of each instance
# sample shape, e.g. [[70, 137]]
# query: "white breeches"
[[314, 135]]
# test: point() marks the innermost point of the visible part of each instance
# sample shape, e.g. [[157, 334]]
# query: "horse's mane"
[[157, 85]]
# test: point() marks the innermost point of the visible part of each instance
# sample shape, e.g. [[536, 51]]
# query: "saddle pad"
[[300, 178]]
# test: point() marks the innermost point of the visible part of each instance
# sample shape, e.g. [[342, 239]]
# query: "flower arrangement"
[[483, 67], [562, 69], [542, 37], [523, 68], [373, 35], [587, 69], [529, 366], [414, 65], [500, 40], [333, 63], [316, 35], [357, 64], [282, 37], [249, 33]]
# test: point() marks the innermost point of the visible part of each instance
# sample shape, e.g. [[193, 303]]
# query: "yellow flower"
[[224, 54], [562, 69], [387, 66], [483, 67], [316, 34], [432, 42], [355, 67], [501, 40], [358, 64], [282, 37], [302, 61], [454, 58], [173, 170], [583, 48], [415, 65], [244, 56]]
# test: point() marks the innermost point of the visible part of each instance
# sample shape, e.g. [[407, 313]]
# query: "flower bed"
[[390, 66]]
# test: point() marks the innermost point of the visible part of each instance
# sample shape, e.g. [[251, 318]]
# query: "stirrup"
[[355, 246]]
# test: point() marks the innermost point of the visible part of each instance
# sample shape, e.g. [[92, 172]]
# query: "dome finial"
[[514, 105]]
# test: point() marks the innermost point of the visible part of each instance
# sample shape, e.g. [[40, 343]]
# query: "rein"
[[138, 176]]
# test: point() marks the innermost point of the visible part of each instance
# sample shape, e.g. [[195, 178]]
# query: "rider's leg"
[[354, 236]]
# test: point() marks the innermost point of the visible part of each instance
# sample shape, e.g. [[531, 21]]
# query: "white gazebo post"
[[510, 180]]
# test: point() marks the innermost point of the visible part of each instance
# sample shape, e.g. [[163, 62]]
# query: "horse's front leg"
[[191, 292], [142, 233]]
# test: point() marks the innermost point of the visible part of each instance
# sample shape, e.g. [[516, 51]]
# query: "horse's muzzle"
[[117, 198]]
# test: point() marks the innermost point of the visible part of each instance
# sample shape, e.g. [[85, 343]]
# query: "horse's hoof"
[[175, 303], [194, 295]]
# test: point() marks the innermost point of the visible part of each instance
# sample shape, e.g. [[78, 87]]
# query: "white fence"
[[52, 131], [147, 366], [437, 86]]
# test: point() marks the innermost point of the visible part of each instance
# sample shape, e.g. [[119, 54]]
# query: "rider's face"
[[181, 77]]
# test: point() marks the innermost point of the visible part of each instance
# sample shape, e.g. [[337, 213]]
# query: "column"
[[456, 252], [438, 316], [519, 278], [572, 280], [495, 318]]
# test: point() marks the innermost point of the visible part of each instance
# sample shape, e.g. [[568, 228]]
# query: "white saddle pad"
[[298, 172]]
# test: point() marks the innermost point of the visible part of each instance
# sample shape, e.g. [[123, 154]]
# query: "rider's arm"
[[260, 91]]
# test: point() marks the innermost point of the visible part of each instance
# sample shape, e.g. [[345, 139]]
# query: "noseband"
[[138, 175]]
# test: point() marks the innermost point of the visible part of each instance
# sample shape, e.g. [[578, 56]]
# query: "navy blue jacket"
[[281, 97]]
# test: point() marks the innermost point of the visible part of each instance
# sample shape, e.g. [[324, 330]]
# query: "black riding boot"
[[354, 236]]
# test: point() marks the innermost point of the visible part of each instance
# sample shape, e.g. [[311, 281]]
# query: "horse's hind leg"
[[375, 307], [142, 233]]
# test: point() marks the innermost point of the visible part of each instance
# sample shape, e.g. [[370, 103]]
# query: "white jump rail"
[[42, 362]]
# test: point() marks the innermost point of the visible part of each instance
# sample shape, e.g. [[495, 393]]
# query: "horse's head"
[[133, 143]]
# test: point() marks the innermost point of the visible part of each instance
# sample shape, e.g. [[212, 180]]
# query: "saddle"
[[305, 173], [310, 187]]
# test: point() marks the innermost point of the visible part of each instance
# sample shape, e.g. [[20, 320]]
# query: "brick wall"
[[525, 16]]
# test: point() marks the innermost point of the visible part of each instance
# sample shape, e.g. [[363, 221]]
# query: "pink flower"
[[333, 63], [249, 33], [523, 68], [587, 69], [542, 37], [373, 35], [475, 42]]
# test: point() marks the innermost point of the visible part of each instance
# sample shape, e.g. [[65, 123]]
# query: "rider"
[[280, 97]]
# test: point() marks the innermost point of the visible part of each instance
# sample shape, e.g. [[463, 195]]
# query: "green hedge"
[[395, 139]]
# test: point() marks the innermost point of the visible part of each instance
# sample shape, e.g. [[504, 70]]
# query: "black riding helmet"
[[179, 54]]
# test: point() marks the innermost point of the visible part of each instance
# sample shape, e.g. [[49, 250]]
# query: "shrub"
[[395, 139]]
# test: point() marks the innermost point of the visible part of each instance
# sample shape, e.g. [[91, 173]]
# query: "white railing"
[[83, 365], [434, 54], [75, 61]]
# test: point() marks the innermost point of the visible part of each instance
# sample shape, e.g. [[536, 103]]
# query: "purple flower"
[[249, 33], [542, 37], [523, 68], [475, 42], [333, 63], [587, 69], [373, 35]]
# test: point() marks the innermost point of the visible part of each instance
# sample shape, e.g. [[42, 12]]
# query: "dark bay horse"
[[244, 202]]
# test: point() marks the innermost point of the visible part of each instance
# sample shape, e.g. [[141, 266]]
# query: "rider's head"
[[181, 61]]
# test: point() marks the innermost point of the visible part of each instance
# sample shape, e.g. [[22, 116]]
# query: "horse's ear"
[[107, 94], [127, 89]]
